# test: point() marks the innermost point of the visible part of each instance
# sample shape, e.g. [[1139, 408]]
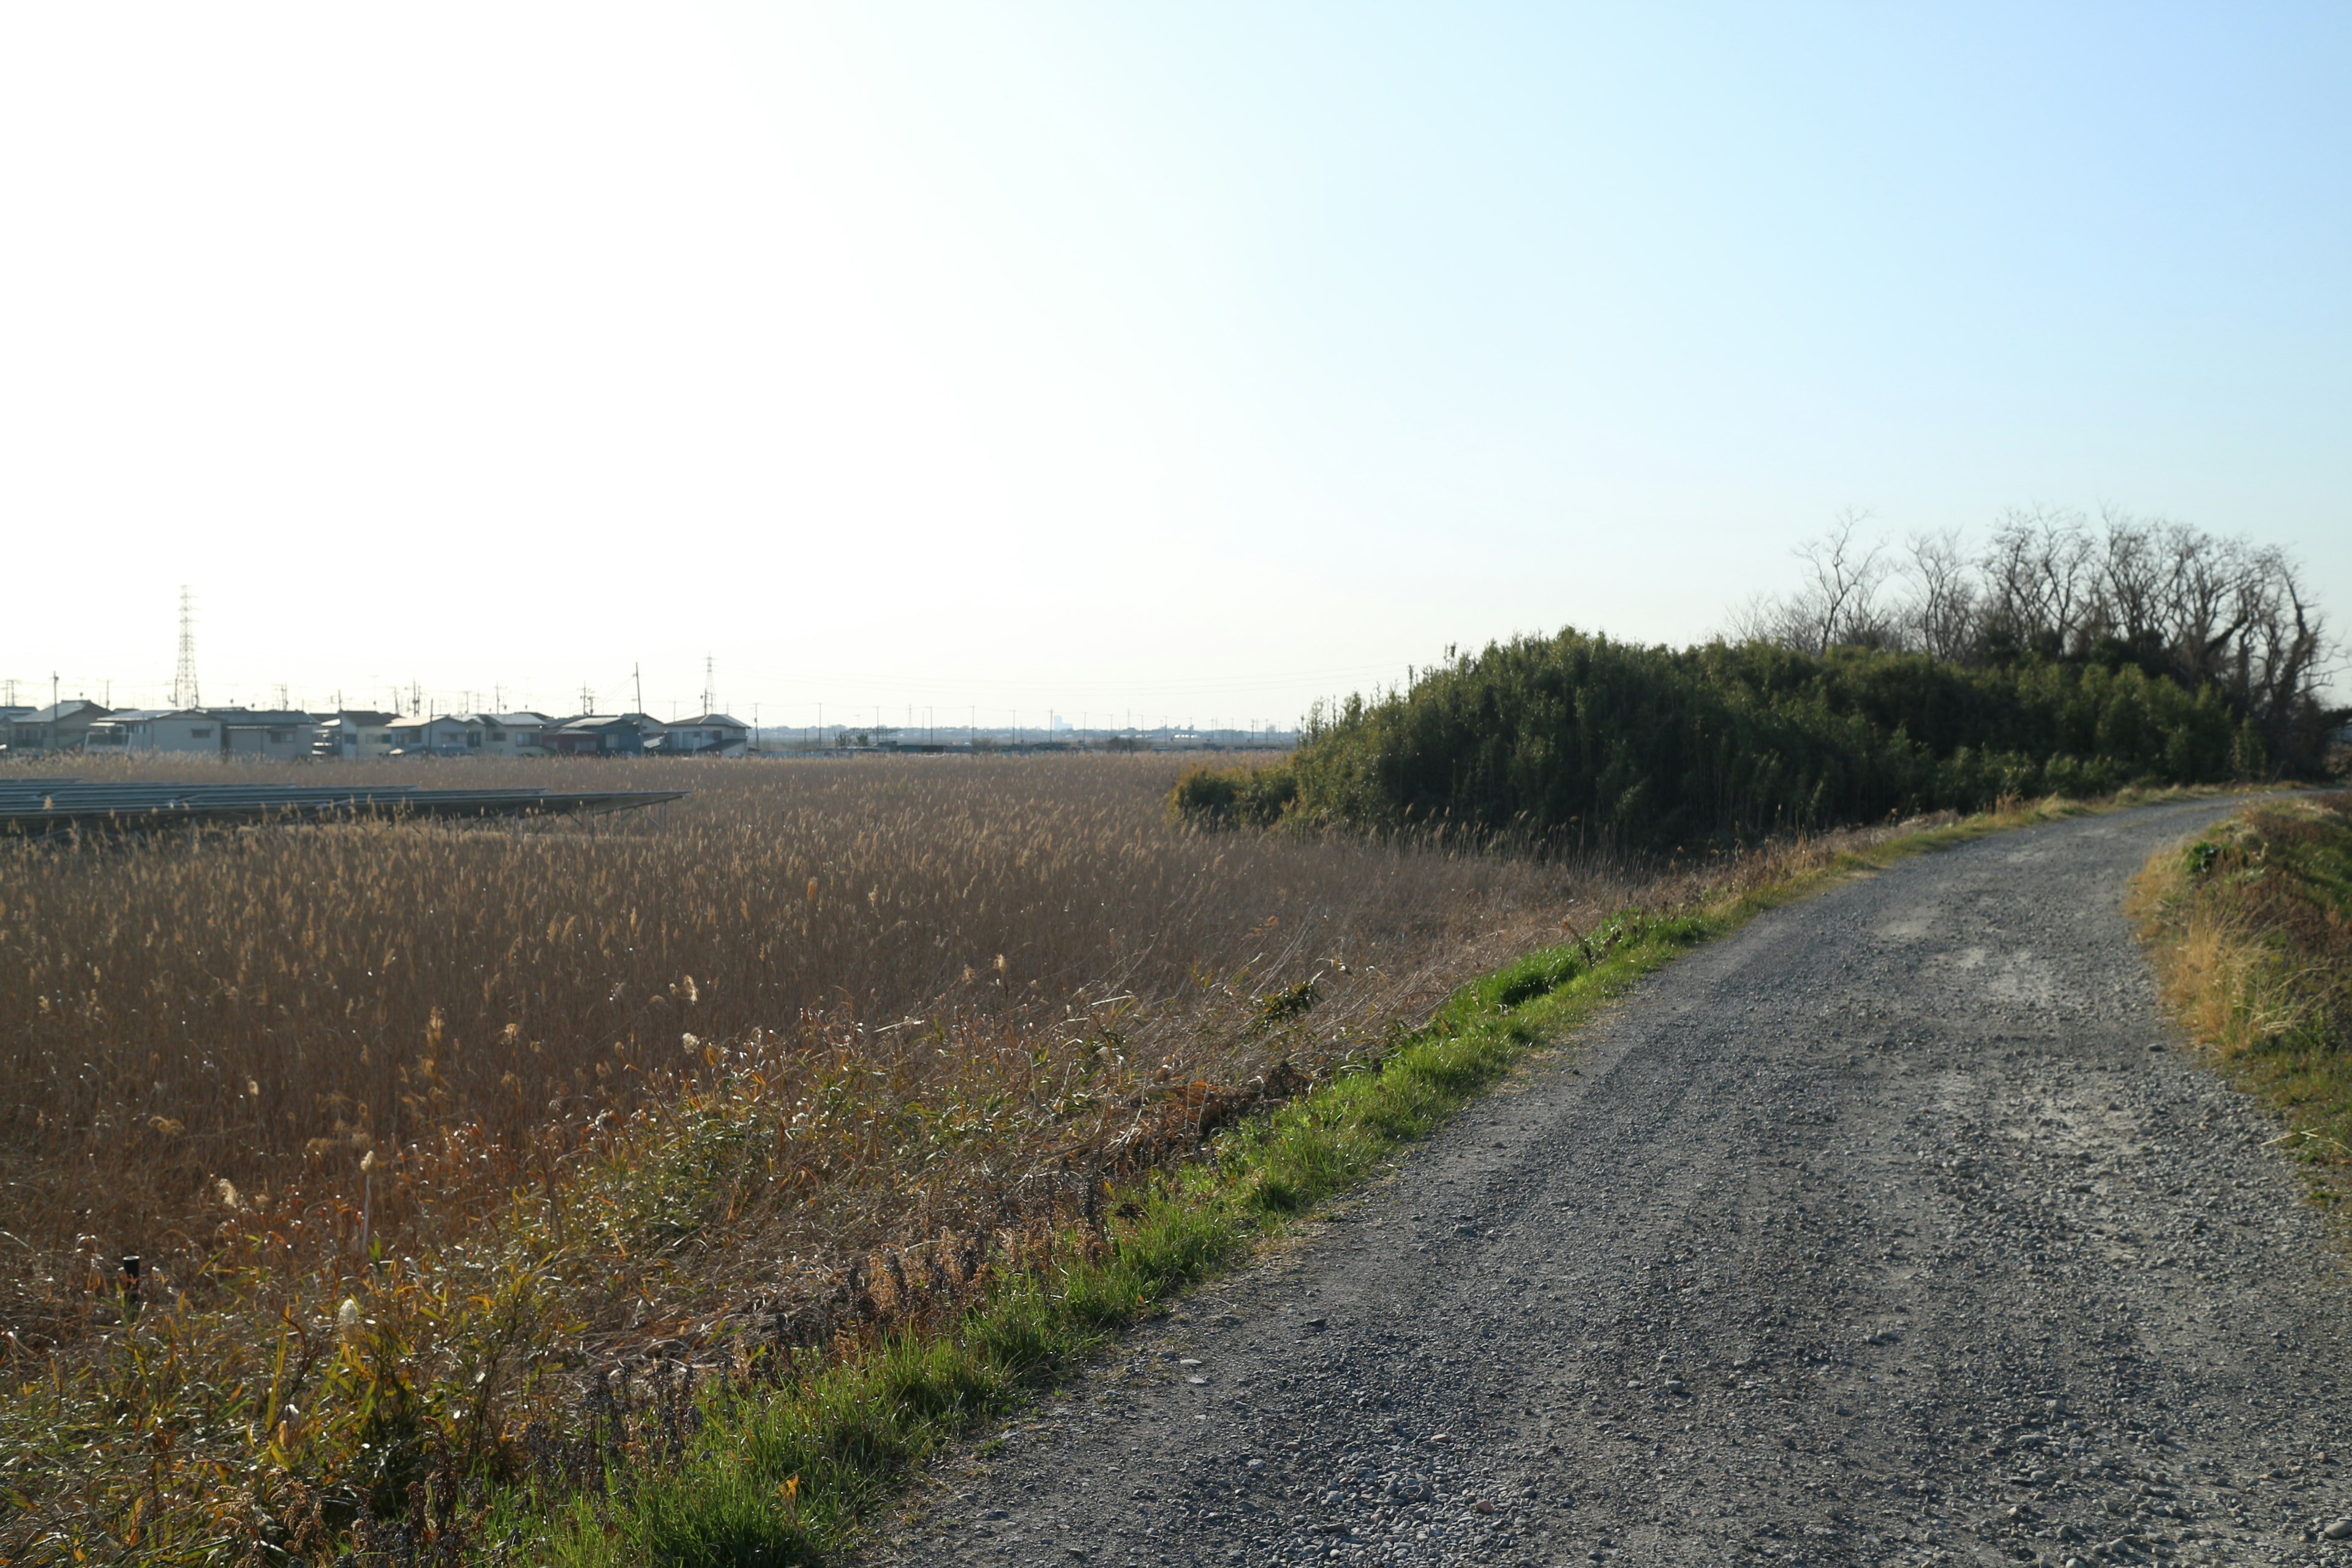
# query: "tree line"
[[2058, 660], [2172, 599]]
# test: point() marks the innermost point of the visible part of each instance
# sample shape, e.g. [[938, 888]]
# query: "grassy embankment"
[[2251, 925]]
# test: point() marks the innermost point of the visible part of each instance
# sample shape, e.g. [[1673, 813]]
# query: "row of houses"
[[90, 727]]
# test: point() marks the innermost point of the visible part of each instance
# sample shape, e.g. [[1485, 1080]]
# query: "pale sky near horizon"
[[1162, 360]]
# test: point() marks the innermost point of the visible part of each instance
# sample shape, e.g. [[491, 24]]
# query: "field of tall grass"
[[428, 1140]]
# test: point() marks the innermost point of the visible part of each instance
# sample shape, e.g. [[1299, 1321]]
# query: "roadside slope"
[[1885, 1230]]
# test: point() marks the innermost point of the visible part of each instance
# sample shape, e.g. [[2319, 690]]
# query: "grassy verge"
[[2251, 927]]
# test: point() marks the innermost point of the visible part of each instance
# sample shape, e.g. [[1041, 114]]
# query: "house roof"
[[260, 718], [644, 721], [709, 721], [72, 707], [147, 715]]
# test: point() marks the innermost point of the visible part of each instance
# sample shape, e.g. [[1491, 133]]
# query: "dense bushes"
[[1577, 739]]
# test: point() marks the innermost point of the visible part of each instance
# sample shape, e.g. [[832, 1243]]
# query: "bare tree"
[[2036, 572], [1837, 606], [2170, 599], [2129, 601], [1941, 618]]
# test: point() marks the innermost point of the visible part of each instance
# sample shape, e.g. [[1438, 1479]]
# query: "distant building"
[[266, 734], [356, 733], [706, 735], [147, 731], [601, 735], [438, 735], [472, 734], [59, 727], [515, 734]]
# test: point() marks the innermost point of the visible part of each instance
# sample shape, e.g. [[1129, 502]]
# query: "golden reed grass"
[[263, 1008], [475, 1124]]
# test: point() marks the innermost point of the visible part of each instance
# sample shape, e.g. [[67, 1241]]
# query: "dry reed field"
[[806, 1055]]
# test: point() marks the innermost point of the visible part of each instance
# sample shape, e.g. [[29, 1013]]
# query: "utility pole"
[[710, 685], [636, 673]]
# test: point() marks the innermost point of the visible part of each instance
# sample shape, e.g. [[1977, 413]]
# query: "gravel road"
[[1896, 1228]]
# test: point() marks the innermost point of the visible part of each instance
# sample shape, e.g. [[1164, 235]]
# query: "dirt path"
[[1887, 1231]]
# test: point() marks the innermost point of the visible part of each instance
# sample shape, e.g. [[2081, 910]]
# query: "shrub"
[[1579, 740]]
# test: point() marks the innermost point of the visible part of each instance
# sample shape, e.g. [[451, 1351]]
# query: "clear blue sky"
[[1191, 359]]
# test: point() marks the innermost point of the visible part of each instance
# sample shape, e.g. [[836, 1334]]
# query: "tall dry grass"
[[265, 1007], [431, 1138], [2251, 927]]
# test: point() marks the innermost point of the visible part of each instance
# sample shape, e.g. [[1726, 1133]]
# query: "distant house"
[[706, 735], [515, 734], [472, 734], [59, 727], [146, 732], [439, 735], [266, 734], [356, 733], [601, 735]]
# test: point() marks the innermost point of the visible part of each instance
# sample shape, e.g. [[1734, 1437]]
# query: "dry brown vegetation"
[[817, 1051], [264, 1006], [738, 1059], [2251, 926]]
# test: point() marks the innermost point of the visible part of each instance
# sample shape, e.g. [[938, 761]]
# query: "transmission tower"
[[183, 676]]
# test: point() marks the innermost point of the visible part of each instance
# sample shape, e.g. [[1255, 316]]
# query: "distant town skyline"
[[806, 715], [1201, 360]]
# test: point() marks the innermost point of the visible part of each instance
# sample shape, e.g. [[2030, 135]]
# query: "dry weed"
[[488, 1125]]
